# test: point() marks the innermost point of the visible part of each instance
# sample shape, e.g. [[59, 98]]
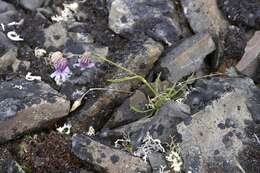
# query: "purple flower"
[[62, 71], [85, 62]]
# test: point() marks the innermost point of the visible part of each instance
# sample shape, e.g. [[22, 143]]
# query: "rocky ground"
[[196, 109]]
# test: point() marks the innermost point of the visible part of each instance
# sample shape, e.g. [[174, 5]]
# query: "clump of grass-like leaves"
[[176, 91]]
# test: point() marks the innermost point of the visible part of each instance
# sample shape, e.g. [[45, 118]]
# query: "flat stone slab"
[[112, 160], [27, 105], [216, 135], [249, 63], [187, 57]]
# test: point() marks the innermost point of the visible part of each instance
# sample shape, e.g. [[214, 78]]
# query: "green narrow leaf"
[[124, 79], [135, 109]]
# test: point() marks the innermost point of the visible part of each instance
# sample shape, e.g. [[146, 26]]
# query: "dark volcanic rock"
[[27, 105], [152, 17], [186, 58], [205, 91], [110, 159], [242, 13], [124, 114], [7, 12], [235, 43], [160, 126]]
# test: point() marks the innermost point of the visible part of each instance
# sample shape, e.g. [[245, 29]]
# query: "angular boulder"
[[216, 135], [28, 105], [187, 57], [111, 160], [149, 16], [160, 126], [125, 113], [204, 16], [250, 62]]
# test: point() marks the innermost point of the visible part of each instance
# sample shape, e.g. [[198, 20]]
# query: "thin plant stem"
[[141, 78]]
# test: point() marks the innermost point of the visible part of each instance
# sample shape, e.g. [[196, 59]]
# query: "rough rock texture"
[[205, 91], [250, 61], [139, 59], [253, 105], [125, 114], [31, 4], [7, 12], [157, 160], [110, 159], [187, 57], [27, 105], [8, 53], [55, 36], [150, 16], [11, 166], [242, 13], [204, 16], [160, 126], [216, 135], [234, 43]]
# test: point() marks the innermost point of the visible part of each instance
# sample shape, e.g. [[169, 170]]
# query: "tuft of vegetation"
[[176, 91]]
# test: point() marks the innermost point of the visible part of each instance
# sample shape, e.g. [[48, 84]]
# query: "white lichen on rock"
[[149, 146], [65, 129]]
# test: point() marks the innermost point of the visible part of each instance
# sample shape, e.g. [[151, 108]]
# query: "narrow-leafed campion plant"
[[160, 97], [62, 71]]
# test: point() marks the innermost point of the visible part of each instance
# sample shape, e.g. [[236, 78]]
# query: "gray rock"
[[207, 90], [124, 114], [55, 36], [216, 135], [242, 13], [157, 160], [28, 105], [8, 53], [250, 61], [253, 105], [204, 16], [139, 58], [7, 12], [31, 4], [187, 57], [149, 16], [110, 159], [11, 166], [160, 126]]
